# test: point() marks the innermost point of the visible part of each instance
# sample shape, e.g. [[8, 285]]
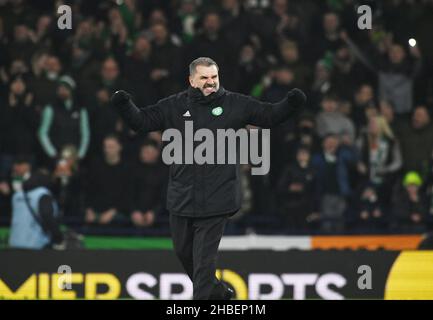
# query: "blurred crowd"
[[360, 158]]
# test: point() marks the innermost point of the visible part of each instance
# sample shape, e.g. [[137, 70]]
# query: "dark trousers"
[[196, 242]]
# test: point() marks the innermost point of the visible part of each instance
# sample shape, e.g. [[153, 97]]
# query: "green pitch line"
[[4, 236], [100, 242], [92, 242]]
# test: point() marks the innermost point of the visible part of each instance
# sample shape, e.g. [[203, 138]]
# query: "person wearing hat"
[[64, 123], [409, 203]]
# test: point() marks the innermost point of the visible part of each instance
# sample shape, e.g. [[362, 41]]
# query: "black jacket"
[[49, 222], [209, 189]]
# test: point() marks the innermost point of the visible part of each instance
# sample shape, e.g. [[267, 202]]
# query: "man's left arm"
[[268, 115]]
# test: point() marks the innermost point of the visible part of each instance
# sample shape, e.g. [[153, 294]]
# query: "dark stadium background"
[[357, 82]]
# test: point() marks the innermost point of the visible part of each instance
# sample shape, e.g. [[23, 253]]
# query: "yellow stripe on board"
[[411, 277]]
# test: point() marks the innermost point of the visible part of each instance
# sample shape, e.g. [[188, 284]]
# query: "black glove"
[[120, 98], [296, 98]]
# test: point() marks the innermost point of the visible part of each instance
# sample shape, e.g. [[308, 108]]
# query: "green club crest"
[[217, 111]]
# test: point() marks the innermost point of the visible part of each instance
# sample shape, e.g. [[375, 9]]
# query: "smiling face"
[[205, 78]]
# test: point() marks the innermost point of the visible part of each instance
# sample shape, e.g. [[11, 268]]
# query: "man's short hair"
[[330, 96], [330, 135], [23, 158], [202, 61], [149, 143], [113, 136]]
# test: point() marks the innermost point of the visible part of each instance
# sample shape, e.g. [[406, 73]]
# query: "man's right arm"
[[139, 119]]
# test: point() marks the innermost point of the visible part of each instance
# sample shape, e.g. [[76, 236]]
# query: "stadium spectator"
[[329, 40], [17, 68], [370, 213], [322, 84], [250, 70], [387, 111], [269, 19], [282, 80], [157, 16], [379, 138], [381, 156], [149, 183], [22, 46], [64, 123], [108, 194], [47, 71], [396, 72], [166, 57], [363, 102], [137, 65], [279, 21], [42, 34], [235, 22], [103, 121], [131, 15], [35, 214], [409, 204], [87, 44], [118, 37], [347, 72], [304, 135], [350, 154], [17, 12], [416, 138], [296, 191], [331, 120], [20, 120], [108, 79], [68, 186], [289, 53], [332, 188], [186, 21]]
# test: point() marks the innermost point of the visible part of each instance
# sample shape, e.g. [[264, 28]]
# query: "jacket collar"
[[195, 95]]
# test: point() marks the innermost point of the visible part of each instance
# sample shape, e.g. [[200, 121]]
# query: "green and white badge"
[[217, 111]]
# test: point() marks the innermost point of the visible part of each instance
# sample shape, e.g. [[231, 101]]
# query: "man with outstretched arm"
[[201, 197]]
